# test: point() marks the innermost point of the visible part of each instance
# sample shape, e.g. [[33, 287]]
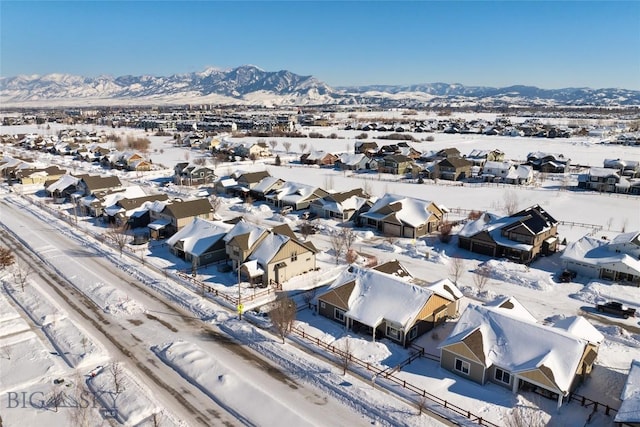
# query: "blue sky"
[[498, 43]]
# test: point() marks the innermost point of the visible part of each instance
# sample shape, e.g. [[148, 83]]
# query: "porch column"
[[514, 387], [559, 401]]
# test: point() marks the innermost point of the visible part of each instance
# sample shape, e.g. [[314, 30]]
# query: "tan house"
[[39, 175], [395, 215], [503, 344], [520, 237], [320, 158], [383, 305], [268, 257], [397, 164], [454, 168], [168, 218]]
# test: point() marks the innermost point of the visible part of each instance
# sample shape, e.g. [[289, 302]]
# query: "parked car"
[[617, 308]]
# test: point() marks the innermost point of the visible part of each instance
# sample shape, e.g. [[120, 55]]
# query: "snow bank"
[[519, 274], [73, 344], [131, 402]]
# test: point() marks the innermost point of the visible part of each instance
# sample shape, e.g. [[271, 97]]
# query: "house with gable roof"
[[279, 256], [402, 216], [169, 217], [265, 186], [617, 259], [320, 158], [201, 241], [520, 237], [294, 194], [370, 301], [356, 162], [342, 206], [502, 343]]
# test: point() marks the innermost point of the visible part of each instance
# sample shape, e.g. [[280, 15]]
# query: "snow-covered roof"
[[351, 159], [199, 235], [593, 251], [252, 231], [265, 184], [446, 289], [580, 327], [293, 191], [63, 182], [603, 172], [130, 192], [629, 411], [413, 212], [520, 345], [268, 248], [253, 269], [512, 306], [378, 296], [486, 222]]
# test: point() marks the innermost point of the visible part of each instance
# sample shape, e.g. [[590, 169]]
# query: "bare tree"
[[309, 295], [283, 314], [481, 277], [21, 273], [287, 146], [337, 244], [510, 202], [118, 235], [366, 187], [5, 351], [303, 147], [117, 376], [456, 269], [6, 258], [215, 203], [349, 237], [273, 143], [346, 353]]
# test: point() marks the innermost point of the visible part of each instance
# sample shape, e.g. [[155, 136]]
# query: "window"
[[322, 304], [462, 366], [294, 256], [503, 376], [393, 333], [413, 332], [338, 314]]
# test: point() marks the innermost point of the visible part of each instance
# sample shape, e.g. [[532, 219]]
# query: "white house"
[[618, 259]]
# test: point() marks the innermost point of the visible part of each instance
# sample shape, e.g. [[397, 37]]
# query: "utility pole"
[[239, 294]]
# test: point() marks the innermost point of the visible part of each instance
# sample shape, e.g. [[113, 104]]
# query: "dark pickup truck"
[[617, 308]]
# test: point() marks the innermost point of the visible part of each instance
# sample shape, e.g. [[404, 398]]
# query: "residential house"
[[132, 210], [169, 217], [520, 237], [268, 257], [342, 206], [497, 171], [248, 180], [252, 150], [95, 203], [39, 175], [617, 259], [480, 157], [185, 173], [628, 415], [280, 256], [320, 158], [90, 184], [356, 162], [267, 185], [367, 148], [627, 168], [606, 180], [396, 164], [548, 162], [201, 242], [454, 168], [296, 195], [503, 344], [522, 175], [401, 216], [369, 301], [62, 188]]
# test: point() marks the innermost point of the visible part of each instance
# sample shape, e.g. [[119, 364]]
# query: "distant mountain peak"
[[250, 84]]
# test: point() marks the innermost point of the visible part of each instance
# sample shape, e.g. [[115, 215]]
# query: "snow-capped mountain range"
[[251, 85]]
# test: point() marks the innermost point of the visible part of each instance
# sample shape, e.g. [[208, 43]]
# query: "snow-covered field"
[[42, 339]]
